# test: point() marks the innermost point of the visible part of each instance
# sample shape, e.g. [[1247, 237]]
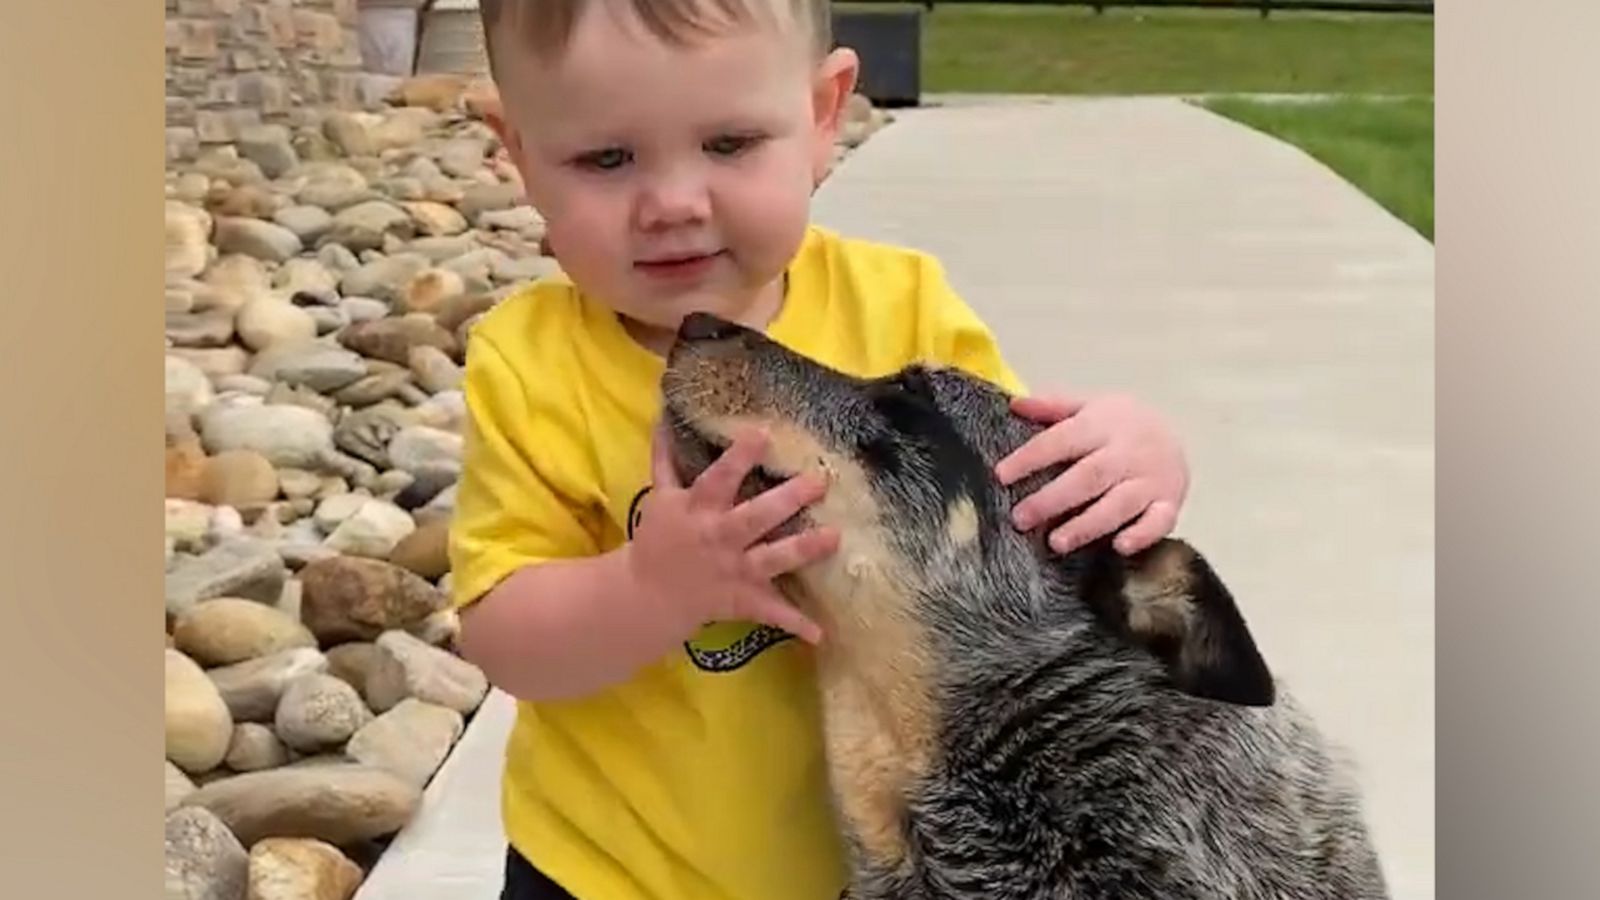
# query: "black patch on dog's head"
[[917, 429]]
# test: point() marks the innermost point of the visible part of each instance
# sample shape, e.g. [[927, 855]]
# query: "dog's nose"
[[700, 326]]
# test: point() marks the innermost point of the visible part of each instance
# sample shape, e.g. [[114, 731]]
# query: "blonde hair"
[[545, 26]]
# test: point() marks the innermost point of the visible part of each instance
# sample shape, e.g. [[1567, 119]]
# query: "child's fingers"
[[1062, 442], [768, 607], [768, 561], [1155, 523], [1083, 481], [719, 484], [1049, 408], [753, 518], [662, 472], [1109, 513]]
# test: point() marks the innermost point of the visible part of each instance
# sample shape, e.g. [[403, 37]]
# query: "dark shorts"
[[524, 882]]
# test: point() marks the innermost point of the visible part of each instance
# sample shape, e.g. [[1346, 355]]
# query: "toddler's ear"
[[485, 103], [835, 81], [482, 99]]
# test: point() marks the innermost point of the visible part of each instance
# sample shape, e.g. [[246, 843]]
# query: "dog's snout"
[[700, 326]]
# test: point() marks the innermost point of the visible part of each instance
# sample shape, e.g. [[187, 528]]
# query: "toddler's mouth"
[[678, 264]]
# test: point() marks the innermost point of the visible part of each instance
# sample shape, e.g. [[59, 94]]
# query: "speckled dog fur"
[[1001, 722]]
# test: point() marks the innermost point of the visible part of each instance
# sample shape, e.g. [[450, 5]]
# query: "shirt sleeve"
[[956, 336], [520, 497]]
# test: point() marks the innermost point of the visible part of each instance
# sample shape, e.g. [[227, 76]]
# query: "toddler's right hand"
[[697, 555]]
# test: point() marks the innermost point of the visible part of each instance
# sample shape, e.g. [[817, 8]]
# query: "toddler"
[[667, 741]]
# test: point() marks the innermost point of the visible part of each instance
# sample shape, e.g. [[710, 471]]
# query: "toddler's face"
[[673, 179]]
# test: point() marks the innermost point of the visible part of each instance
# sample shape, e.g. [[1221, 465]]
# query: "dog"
[[1001, 721]]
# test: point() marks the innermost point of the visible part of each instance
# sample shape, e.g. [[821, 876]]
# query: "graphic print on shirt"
[[719, 646]]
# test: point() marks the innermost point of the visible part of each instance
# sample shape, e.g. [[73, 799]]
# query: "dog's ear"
[[1168, 601]]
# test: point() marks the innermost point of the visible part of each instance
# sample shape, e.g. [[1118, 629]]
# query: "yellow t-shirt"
[[702, 777]]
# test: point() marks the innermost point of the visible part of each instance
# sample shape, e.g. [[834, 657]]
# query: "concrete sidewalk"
[[1281, 319]]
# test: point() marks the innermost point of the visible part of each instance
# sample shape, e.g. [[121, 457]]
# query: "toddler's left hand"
[[1121, 452]]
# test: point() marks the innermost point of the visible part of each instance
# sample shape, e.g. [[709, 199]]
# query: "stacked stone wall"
[[235, 64]]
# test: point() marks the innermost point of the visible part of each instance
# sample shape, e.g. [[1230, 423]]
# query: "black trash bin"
[[889, 43]]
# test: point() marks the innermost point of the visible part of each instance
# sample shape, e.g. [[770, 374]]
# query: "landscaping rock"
[[411, 740], [255, 237], [188, 524], [323, 368], [524, 219], [307, 281], [188, 231], [351, 133], [188, 389], [252, 689], [440, 250], [374, 388], [354, 599], [482, 198], [215, 362], [430, 289], [178, 786], [337, 258], [353, 662], [335, 509], [239, 478], [426, 550], [308, 223], [373, 530], [266, 322], [301, 869], [204, 860], [421, 449], [446, 410], [319, 712], [269, 147], [364, 225], [243, 201], [255, 748], [407, 666], [230, 630], [363, 309], [244, 384], [339, 804], [434, 370], [239, 568], [435, 219], [383, 279], [198, 724], [392, 340], [207, 329], [443, 627], [289, 436], [185, 470]]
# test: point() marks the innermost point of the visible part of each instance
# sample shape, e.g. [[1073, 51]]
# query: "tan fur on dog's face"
[[888, 450], [874, 665]]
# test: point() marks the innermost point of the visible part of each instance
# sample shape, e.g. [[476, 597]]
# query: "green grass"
[[1383, 147], [992, 48]]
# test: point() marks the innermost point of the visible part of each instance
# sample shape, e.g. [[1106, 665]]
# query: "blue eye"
[[730, 145], [605, 160]]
